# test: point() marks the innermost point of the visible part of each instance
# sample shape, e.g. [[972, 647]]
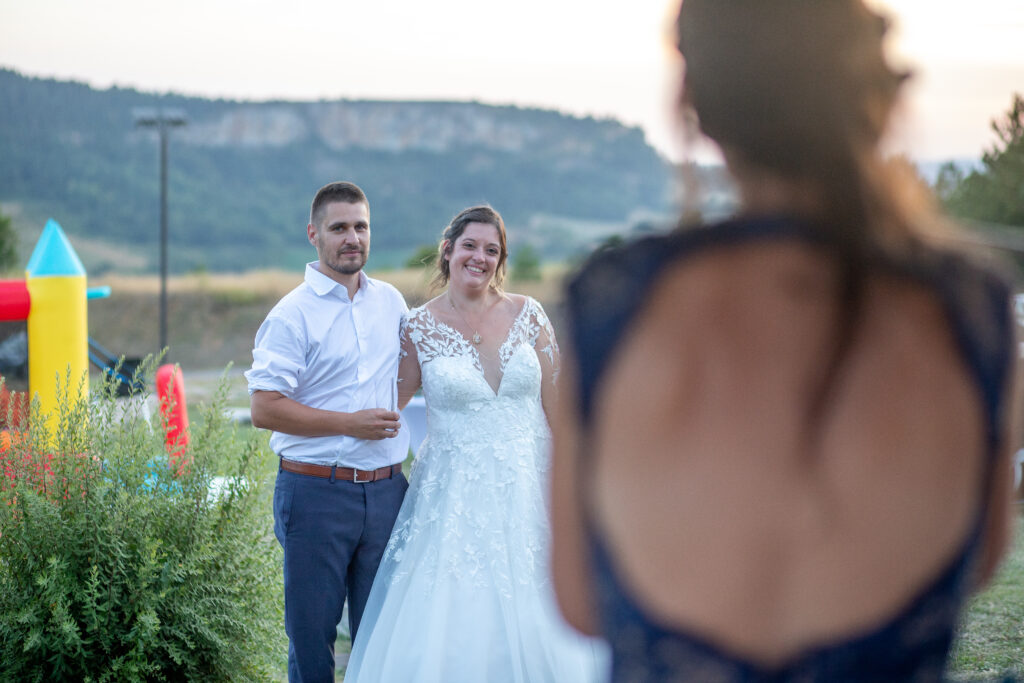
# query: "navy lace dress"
[[913, 644]]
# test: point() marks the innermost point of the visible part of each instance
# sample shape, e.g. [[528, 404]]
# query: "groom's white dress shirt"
[[324, 350]]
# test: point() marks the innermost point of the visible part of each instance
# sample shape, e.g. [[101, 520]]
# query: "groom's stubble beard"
[[347, 267]]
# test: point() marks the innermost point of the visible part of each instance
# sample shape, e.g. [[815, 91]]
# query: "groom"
[[322, 378]]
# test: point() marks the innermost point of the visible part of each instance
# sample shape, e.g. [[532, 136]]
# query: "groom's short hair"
[[339, 191]]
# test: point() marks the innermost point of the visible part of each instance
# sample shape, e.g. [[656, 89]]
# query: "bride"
[[463, 592]]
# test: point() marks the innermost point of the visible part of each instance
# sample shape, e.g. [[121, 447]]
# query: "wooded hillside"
[[242, 174]]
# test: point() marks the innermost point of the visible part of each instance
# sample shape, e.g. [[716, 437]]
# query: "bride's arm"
[[569, 568], [409, 378], [546, 347]]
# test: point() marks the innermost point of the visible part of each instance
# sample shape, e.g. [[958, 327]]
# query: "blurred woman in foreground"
[[782, 450]]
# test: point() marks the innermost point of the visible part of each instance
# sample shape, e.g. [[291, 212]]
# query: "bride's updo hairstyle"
[[451, 234], [802, 89]]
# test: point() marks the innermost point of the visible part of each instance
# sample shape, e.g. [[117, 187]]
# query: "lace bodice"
[[430, 339], [479, 474]]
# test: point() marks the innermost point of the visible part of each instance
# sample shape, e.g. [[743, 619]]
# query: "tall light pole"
[[163, 120]]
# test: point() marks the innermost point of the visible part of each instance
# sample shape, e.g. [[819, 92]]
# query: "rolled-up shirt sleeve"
[[278, 357]]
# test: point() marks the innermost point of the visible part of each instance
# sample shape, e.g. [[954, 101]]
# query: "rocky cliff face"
[[398, 127]]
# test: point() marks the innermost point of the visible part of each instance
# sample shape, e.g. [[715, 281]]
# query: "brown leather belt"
[[343, 473]]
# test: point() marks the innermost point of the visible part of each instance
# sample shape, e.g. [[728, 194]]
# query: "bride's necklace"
[[476, 338]]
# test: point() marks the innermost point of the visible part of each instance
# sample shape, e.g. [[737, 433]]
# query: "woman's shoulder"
[[960, 269], [430, 306], [608, 285], [516, 301], [632, 264], [520, 302], [524, 306], [622, 257], [978, 297], [422, 315], [977, 291]]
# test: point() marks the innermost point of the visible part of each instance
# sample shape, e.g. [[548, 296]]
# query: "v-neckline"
[[476, 352]]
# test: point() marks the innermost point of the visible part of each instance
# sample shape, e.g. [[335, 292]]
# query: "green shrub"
[[114, 568], [525, 264]]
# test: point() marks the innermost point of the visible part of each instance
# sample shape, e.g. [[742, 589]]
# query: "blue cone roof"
[[54, 255]]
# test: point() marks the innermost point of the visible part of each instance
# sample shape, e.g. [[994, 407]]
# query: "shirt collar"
[[323, 285]]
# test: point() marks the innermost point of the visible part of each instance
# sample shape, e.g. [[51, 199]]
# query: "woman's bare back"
[[752, 535]]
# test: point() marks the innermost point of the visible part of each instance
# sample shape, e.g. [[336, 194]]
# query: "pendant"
[[476, 338]]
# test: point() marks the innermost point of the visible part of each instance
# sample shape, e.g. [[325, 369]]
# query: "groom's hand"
[[374, 424], [272, 410]]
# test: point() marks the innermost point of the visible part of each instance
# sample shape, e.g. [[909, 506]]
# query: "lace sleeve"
[[543, 339], [406, 347], [429, 340], [408, 365]]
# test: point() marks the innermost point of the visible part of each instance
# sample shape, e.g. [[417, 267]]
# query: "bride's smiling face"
[[475, 256]]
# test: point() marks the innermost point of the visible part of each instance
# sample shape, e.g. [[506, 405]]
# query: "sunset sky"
[[578, 57]]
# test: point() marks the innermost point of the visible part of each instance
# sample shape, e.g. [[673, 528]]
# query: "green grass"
[[992, 638]]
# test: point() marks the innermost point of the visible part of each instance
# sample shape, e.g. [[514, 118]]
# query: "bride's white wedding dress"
[[463, 593]]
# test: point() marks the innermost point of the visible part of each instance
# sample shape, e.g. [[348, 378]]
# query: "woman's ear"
[[446, 250]]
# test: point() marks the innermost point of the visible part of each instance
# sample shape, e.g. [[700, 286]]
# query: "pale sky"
[[577, 56]]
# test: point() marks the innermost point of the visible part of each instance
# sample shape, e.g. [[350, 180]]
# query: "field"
[[213, 318]]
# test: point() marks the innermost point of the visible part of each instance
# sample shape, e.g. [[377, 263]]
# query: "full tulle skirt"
[[464, 595]]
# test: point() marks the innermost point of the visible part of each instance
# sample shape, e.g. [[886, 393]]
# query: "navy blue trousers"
[[333, 534]]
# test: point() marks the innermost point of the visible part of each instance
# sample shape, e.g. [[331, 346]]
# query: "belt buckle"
[[355, 477]]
